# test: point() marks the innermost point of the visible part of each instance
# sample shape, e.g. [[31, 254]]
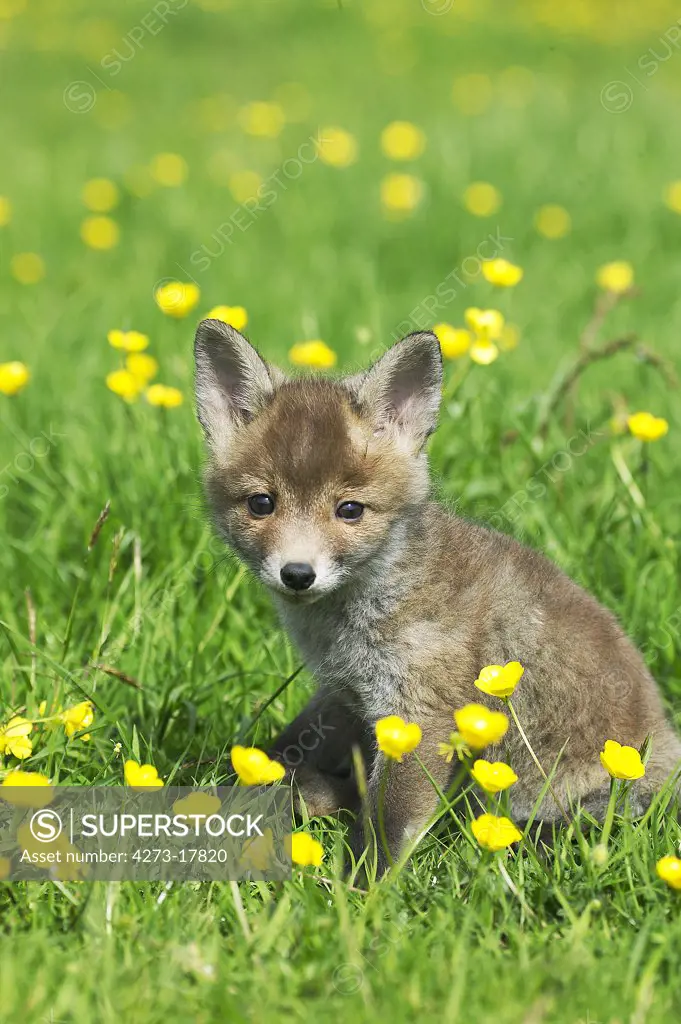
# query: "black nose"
[[297, 575]]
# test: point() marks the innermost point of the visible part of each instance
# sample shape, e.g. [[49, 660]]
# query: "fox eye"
[[260, 505], [350, 510]]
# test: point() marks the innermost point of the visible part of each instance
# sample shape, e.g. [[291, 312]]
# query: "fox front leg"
[[316, 749], [402, 800]]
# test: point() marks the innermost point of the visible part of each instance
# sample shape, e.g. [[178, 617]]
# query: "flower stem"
[[610, 813], [456, 380], [536, 760], [448, 807], [445, 795], [381, 820], [447, 804], [644, 469]]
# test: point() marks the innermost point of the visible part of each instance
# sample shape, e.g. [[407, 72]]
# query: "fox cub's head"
[[311, 479]]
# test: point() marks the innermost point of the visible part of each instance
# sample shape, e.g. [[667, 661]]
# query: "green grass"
[[157, 600]]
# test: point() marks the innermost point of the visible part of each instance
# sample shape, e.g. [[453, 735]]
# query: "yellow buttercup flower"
[[5, 868], [454, 341], [479, 727], [100, 232], [402, 140], [67, 868], [315, 354], [305, 850], [615, 277], [647, 427], [235, 316], [622, 762], [100, 195], [401, 194], [395, 737], [254, 767], [142, 366], [169, 169], [488, 327], [493, 777], [77, 718], [13, 377], [128, 341], [5, 211], [502, 273], [263, 119], [198, 805], [483, 352], [124, 384], [500, 680], [493, 833], [488, 324], [177, 298], [552, 221], [258, 852], [482, 199], [669, 870], [244, 185], [672, 196], [14, 738], [141, 776], [27, 267], [26, 789], [336, 147], [65, 871], [164, 396], [27, 841]]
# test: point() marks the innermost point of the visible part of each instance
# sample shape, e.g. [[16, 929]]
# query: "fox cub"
[[321, 487]]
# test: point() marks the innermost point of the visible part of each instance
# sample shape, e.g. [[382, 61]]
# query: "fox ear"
[[232, 382], [403, 388]]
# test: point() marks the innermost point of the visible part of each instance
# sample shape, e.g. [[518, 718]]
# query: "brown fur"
[[410, 602], [311, 450]]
